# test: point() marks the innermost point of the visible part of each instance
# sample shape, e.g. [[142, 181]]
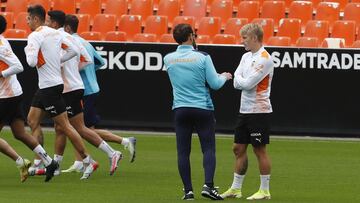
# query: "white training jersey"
[[44, 50], [253, 76], [70, 69], [9, 67]]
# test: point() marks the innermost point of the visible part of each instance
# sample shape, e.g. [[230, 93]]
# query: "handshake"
[[227, 75]]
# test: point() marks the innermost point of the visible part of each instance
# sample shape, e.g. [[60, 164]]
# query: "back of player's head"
[[57, 16], [37, 11], [253, 29], [72, 21], [182, 33], [2, 24]]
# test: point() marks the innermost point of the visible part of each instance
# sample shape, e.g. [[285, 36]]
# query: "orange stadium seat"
[[145, 37], [104, 23], [289, 27], [236, 5], [117, 8], [91, 7], [209, 26], [196, 8], [144, 8], [333, 43], [317, 28], [203, 39], [342, 3], [68, 6], [274, 10], [169, 8], [345, 29], [21, 22], [167, 38], [352, 12], [16, 6], [45, 3], [356, 44], [156, 25], [279, 41], [234, 25], [268, 26], [312, 42], [84, 22], [184, 20], [15, 33], [315, 3], [224, 39], [116, 36], [249, 10], [130, 24], [329, 11], [222, 9], [9, 16], [302, 10], [94, 36]]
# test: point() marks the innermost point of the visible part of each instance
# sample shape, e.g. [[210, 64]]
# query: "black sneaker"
[[50, 169], [211, 193], [188, 196]]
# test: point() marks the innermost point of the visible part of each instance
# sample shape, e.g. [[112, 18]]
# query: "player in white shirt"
[[74, 91], [11, 110], [253, 77], [43, 52]]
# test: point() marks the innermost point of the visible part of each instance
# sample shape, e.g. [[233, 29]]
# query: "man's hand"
[[227, 75]]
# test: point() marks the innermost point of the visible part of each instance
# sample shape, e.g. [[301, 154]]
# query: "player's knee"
[[238, 151]]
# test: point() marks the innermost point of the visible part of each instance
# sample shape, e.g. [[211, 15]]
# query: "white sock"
[[39, 150], [78, 164], [105, 147], [37, 162], [58, 158], [19, 161], [238, 181], [265, 180], [125, 141]]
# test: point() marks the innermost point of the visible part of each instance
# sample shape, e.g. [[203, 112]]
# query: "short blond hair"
[[253, 29]]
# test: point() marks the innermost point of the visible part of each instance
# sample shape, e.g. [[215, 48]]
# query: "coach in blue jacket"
[[191, 73]]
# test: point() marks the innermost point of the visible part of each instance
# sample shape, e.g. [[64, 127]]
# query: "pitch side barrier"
[[314, 91]]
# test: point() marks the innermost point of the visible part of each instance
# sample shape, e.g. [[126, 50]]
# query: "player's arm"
[[260, 71], [85, 58], [32, 50], [237, 74], [215, 80], [71, 50], [98, 60], [9, 58]]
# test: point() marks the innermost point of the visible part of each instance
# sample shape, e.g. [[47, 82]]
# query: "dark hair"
[[182, 32], [37, 10], [2, 24], [57, 16], [72, 21]]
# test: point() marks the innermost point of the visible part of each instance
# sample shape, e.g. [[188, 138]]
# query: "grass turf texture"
[[303, 171]]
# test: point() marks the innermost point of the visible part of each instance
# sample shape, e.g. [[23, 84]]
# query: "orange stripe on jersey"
[[265, 54], [64, 46], [263, 85], [3, 66], [82, 58], [41, 60]]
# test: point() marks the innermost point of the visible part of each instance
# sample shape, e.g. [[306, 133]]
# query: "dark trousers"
[[203, 121]]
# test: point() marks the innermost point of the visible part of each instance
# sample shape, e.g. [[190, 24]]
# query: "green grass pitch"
[[302, 171]]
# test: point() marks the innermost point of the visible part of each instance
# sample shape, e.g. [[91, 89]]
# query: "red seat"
[[93, 36], [167, 38], [130, 24], [317, 28], [290, 27], [104, 23], [234, 25], [144, 8], [328, 11], [169, 8], [156, 25], [15, 33], [44, 3], [184, 20], [224, 39], [203, 39], [145, 37], [352, 12], [345, 29], [91, 7], [16, 6], [356, 44], [84, 23], [267, 25], [209, 26], [222, 9], [21, 22], [249, 10], [279, 41], [196, 8], [274, 10], [312, 42], [302, 10], [68, 6], [117, 8], [115, 36]]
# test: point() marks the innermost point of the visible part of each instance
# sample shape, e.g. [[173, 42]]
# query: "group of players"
[[66, 66]]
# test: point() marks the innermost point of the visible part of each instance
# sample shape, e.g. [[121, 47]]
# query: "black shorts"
[[10, 109], [50, 99], [252, 129], [90, 116], [73, 101]]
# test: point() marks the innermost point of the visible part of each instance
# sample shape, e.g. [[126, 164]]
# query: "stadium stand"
[[117, 8], [84, 22], [333, 43], [94, 36], [290, 27], [16, 6], [222, 9], [21, 22], [144, 8], [15, 33], [104, 23], [91, 7], [352, 12], [224, 39], [274, 10], [209, 26], [249, 10], [9, 16], [169, 8], [45, 3], [145, 37], [184, 19], [196, 8], [329, 11], [233, 26], [356, 44], [167, 38], [344, 29], [302, 10], [268, 26], [317, 28], [156, 25], [203, 39]]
